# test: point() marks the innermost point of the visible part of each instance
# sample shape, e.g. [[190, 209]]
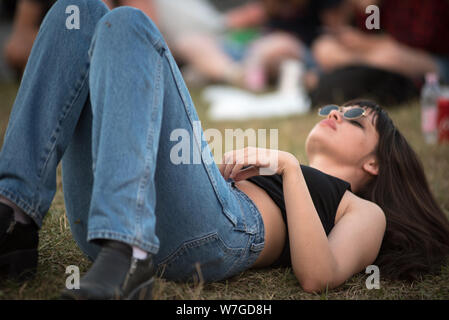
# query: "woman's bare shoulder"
[[351, 203]]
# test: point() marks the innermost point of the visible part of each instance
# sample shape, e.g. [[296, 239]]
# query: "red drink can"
[[443, 119]]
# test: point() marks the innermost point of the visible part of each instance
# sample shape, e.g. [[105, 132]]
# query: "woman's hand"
[[258, 161]]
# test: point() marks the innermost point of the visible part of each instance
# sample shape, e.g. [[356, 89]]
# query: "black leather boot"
[[115, 275], [18, 246]]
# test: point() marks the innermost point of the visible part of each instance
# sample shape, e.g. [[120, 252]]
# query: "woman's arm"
[[320, 262], [249, 15]]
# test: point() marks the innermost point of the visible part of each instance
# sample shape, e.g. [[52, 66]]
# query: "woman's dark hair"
[[416, 239]]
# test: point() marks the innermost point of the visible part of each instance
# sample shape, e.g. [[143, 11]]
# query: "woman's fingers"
[[222, 168], [235, 160], [228, 170], [259, 160], [228, 164], [236, 169], [232, 162], [226, 161], [246, 173]]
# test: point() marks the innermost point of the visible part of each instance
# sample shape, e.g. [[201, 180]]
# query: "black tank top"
[[325, 190]]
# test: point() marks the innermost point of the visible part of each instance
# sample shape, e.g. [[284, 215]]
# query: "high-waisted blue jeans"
[[105, 99]]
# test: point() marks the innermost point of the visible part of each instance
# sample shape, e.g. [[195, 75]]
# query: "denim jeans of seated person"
[[104, 99]]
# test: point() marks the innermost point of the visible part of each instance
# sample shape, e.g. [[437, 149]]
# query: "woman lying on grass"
[[106, 98]]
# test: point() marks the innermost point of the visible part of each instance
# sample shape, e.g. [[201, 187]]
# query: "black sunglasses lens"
[[354, 113], [324, 111]]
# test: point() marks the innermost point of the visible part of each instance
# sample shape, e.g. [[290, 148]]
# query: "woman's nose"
[[335, 115]]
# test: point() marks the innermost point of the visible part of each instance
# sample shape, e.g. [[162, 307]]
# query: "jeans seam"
[[129, 239], [143, 183], [65, 111], [209, 174], [179, 251], [240, 259], [244, 218], [144, 180], [257, 236], [250, 202]]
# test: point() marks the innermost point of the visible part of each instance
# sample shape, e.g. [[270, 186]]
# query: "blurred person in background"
[[288, 27], [411, 41], [147, 6], [28, 17]]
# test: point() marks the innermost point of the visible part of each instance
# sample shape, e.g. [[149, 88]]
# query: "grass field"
[[58, 250]]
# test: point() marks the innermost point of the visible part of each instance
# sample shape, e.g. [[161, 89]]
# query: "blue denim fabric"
[[105, 99]]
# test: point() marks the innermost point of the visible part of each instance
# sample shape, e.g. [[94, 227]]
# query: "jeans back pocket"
[[203, 259]]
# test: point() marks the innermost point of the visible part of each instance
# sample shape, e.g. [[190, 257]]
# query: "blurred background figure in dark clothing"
[[412, 40], [388, 64]]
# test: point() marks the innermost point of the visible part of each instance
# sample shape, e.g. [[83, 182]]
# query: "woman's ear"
[[371, 166]]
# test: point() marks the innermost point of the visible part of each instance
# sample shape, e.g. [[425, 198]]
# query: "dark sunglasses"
[[350, 114]]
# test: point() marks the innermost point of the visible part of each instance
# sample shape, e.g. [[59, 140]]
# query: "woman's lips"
[[329, 122]]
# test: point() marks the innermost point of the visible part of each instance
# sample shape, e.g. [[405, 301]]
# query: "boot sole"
[[142, 292], [19, 265]]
